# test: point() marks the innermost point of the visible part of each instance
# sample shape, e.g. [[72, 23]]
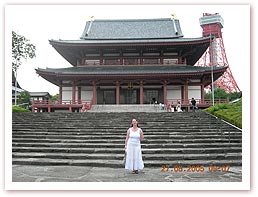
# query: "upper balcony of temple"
[[119, 40]]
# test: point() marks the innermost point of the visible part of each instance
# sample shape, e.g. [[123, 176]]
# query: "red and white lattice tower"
[[215, 55]]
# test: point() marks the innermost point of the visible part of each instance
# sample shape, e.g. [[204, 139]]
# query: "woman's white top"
[[134, 136]]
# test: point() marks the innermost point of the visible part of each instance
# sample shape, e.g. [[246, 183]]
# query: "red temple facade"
[[136, 61]]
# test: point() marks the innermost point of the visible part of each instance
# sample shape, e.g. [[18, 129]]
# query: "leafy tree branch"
[[22, 49]]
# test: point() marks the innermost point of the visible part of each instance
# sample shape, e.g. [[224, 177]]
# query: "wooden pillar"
[[94, 93], [182, 93], [101, 59], [79, 95], [121, 57], [117, 92], [202, 93], [141, 57], [73, 92], [161, 57], [141, 92], [165, 92], [60, 94], [186, 93]]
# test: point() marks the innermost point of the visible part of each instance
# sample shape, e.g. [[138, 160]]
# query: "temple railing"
[[199, 102], [84, 106], [49, 106], [63, 102]]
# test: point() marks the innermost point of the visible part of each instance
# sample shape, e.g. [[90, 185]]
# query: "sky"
[[40, 23]]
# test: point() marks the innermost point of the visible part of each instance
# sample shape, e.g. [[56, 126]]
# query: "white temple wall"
[[194, 92], [86, 93], [173, 92], [66, 93]]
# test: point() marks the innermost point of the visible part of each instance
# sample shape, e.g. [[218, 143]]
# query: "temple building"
[[136, 61]]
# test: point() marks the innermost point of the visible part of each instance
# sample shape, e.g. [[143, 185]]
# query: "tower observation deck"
[[215, 55]]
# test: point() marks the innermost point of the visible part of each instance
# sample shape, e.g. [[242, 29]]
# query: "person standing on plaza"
[[193, 101], [133, 151], [178, 107]]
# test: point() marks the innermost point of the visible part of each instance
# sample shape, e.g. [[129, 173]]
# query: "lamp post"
[[15, 84], [211, 64], [15, 91], [212, 86]]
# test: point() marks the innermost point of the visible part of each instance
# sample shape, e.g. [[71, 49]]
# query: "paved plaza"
[[25, 173]]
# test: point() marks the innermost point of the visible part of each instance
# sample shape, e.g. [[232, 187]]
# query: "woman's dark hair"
[[137, 123]]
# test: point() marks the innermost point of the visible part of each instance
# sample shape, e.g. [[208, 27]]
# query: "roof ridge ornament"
[[91, 19], [173, 18]]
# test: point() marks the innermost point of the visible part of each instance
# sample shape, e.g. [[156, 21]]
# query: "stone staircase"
[[97, 139], [126, 108]]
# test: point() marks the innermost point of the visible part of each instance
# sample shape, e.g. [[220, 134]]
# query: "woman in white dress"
[[133, 151]]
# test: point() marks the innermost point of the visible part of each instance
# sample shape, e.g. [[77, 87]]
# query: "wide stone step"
[[126, 108], [120, 125], [146, 157], [166, 139], [119, 164], [118, 134], [94, 124], [121, 145], [124, 131], [74, 116], [95, 116], [96, 127], [120, 150], [122, 137], [154, 123]]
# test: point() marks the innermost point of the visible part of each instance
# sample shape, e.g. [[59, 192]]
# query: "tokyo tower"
[[215, 55]]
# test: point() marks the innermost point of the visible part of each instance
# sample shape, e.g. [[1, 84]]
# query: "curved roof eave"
[[70, 49], [127, 41], [55, 76], [128, 70]]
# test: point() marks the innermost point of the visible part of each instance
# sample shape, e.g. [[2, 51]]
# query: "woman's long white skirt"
[[134, 157]]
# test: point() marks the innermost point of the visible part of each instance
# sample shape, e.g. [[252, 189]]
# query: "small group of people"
[[179, 108], [171, 108]]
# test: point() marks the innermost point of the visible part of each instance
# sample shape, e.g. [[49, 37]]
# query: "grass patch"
[[230, 112], [19, 109]]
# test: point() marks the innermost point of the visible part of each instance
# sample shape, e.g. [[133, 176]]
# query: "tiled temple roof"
[[132, 29]]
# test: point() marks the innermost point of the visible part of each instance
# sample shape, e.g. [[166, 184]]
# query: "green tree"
[[235, 95], [222, 94], [22, 49], [54, 98], [218, 94], [24, 99]]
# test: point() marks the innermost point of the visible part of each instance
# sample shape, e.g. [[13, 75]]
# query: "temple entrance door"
[[109, 97], [152, 95], [129, 96]]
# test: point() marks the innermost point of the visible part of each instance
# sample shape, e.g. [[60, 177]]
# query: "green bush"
[[19, 109], [230, 112]]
